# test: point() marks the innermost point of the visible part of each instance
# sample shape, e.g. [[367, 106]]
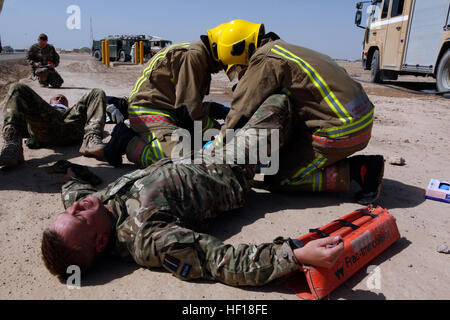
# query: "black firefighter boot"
[[11, 153], [368, 172], [117, 145]]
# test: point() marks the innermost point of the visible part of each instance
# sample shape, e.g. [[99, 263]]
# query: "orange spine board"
[[362, 243]]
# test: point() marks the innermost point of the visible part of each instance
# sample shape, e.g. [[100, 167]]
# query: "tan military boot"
[[92, 146], [11, 154]]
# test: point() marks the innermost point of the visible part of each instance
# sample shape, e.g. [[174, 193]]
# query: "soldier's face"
[[59, 99], [42, 43], [86, 221]]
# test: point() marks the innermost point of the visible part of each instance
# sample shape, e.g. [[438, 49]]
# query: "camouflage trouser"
[[199, 192], [49, 77], [30, 116], [155, 129]]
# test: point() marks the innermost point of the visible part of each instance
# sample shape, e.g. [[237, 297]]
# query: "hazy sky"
[[323, 25]]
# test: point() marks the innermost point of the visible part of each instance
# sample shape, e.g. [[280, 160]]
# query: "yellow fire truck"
[[407, 37]]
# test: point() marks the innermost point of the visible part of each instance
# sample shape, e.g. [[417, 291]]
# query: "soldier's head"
[[76, 237], [42, 40], [59, 99]]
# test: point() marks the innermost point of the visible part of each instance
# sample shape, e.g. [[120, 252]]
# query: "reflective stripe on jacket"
[[324, 96]]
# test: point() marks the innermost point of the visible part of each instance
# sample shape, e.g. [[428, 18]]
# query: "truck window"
[[397, 8], [447, 25], [375, 14], [384, 14]]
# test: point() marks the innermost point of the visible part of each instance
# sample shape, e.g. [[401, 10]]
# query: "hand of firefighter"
[[222, 112], [320, 253], [216, 110], [116, 115]]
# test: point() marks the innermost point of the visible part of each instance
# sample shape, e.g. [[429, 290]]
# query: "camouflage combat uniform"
[[169, 95], [332, 114], [153, 207], [26, 114], [45, 55]]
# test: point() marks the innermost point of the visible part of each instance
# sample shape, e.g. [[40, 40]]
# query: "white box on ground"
[[438, 190]]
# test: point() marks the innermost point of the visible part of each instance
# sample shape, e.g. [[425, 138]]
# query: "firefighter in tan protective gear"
[[332, 114], [168, 96]]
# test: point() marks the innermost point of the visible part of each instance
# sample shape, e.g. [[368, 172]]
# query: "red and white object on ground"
[[366, 233]]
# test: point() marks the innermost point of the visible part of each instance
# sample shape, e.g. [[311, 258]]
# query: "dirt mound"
[[10, 72], [87, 66]]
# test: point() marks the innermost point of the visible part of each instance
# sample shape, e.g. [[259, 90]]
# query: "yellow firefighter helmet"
[[233, 43]]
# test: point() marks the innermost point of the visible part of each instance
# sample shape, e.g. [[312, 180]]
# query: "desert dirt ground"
[[407, 124]]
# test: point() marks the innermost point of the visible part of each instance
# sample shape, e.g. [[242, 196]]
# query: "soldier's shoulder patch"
[[171, 262], [185, 270]]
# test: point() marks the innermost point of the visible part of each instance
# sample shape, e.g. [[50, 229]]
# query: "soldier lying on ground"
[[148, 215], [43, 59], [27, 115]]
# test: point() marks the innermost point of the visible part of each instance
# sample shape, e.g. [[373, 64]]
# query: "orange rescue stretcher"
[[366, 233]]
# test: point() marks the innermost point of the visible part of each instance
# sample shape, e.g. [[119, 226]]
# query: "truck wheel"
[[443, 74], [97, 55], [122, 56], [375, 72]]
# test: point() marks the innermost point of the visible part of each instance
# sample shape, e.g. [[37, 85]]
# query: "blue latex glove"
[[208, 144]]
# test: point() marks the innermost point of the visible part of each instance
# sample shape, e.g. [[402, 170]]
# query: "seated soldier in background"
[[27, 115], [43, 59]]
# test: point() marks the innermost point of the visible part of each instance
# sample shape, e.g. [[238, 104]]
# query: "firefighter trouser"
[[155, 129], [147, 148], [315, 163]]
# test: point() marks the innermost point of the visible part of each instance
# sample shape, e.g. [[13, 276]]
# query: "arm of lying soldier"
[[198, 255]]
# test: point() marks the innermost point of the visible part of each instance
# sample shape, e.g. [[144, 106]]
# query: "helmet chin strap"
[[214, 55]]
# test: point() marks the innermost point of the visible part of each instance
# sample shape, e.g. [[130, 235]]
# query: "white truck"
[[407, 37]]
